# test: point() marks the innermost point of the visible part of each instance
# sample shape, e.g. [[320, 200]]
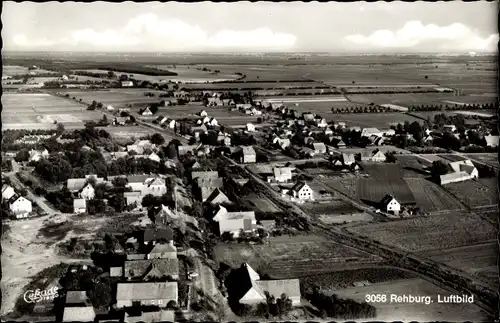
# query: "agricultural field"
[[40, 110], [430, 197], [412, 166], [403, 99], [331, 207], [430, 232], [118, 98], [129, 133], [13, 70], [292, 256], [191, 74], [331, 282], [384, 179], [475, 193], [242, 85], [265, 72], [377, 120], [263, 204], [479, 260], [488, 159], [389, 312]]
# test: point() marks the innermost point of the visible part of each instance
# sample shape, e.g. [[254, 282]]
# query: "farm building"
[[203, 113], [149, 316], [491, 141], [319, 148], [87, 192], [127, 83], [133, 197], [151, 236], [79, 206], [110, 108], [282, 174], [368, 132], [145, 293], [151, 268], [302, 191], [374, 156], [462, 170], [204, 174], [120, 121], [20, 206], [247, 154], [390, 205], [234, 222], [254, 290], [154, 157], [79, 314]]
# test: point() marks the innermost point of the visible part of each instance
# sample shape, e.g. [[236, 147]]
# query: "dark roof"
[[156, 234], [386, 200]]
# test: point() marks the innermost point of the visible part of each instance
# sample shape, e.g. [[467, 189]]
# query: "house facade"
[[79, 206], [87, 192], [302, 191], [248, 155], [146, 294], [390, 205], [20, 207]]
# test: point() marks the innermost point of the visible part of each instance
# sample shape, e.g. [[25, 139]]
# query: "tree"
[[100, 294], [390, 158], [171, 151], [438, 168], [22, 155], [157, 139], [60, 128]]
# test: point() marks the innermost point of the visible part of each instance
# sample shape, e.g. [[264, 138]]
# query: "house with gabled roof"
[[146, 294], [79, 314], [7, 192], [87, 192], [282, 174], [461, 170], [132, 198], [218, 197], [204, 174], [152, 235], [154, 157], [302, 191], [319, 148], [37, 155], [234, 222], [151, 268], [79, 206], [255, 291], [248, 154], [146, 112], [163, 250], [160, 120], [390, 205], [491, 141], [163, 215], [21, 207], [203, 113], [373, 156], [250, 127], [149, 316]]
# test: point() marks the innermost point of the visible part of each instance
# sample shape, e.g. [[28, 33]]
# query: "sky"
[[376, 27]]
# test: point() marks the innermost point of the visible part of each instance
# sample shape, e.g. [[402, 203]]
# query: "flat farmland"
[[329, 207], [40, 110], [191, 74], [12, 70], [292, 256], [268, 72], [488, 159], [373, 190], [479, 260], [377, 120], [115, 97], [129, 133], [404, 99], [419, 312], [302, 99], [430, 197], [412, 166], [430, 232], [261, 204], [260, 85], [475, 193]]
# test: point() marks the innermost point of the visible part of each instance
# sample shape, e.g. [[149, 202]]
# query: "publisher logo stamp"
[[35, 296]]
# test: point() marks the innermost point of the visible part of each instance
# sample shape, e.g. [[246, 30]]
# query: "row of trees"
[[335, 307], [441, 107], [362, 109]]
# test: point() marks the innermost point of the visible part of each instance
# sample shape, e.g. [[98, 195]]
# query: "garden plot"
[[431, 197], [430, 233], [475, 193], [291, 257]]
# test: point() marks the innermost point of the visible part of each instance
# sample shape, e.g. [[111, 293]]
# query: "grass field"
[[12, 70], [479, 260], [27, 109], [488, 159], [191, 74], [475, 193], [404, 99], [419, 312], [377, 120], [291, 257], [430, 197], [430, 233], [259, 85], [118, 98]]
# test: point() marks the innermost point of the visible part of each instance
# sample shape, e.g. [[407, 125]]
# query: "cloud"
[[414, 34], [21, 40], [150, 32]]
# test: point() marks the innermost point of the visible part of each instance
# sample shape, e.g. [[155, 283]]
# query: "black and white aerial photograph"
[[249, 162]]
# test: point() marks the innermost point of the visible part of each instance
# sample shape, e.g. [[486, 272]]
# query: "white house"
[[234, 222], [154, 157], [203, 113], [250, 127], [171, 123], [321, 123], [87, 192], [319, 148], [368, 132], [127, 83], [282, 174], [213, 122], [20, 207], [302, 191], [79, 206], [491, 141], [390, 205], [449, 128], [147, 112], [36, 155], [7, 192], [110, 108], [461, 171]]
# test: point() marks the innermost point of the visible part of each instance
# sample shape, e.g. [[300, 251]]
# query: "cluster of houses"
[[147, 287], [83, 189], [19, 206]]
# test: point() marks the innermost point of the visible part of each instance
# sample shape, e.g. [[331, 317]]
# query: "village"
[[239, 183]]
